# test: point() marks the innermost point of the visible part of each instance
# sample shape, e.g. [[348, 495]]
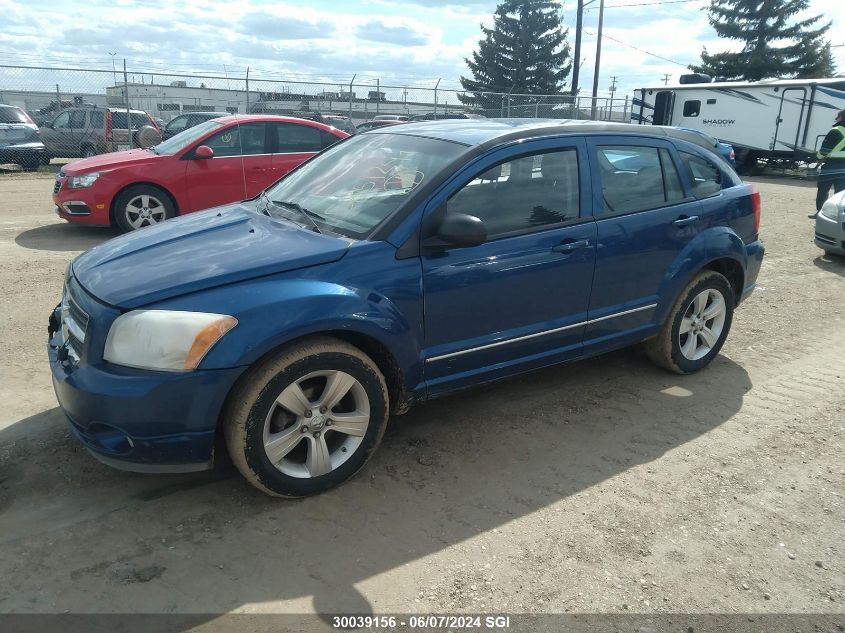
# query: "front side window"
[[239, 140], [705, 177], [632, 178], [692, 108], [530, 192], [62, 121], [185, 138], [294, 138], [355, 185]]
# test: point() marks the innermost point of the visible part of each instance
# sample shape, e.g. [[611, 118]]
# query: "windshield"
[[180, 141], [350, 188], [12, 115]]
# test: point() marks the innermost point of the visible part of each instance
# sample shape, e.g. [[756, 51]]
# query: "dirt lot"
[[607, 485]]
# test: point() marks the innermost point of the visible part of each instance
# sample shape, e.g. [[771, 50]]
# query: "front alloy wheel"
[[307, 418], [316, 424], [141, 206]]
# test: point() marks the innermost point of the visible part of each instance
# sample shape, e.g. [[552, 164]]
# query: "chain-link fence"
[[43, 92]]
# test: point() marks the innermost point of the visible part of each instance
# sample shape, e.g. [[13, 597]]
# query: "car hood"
[[203, 250], [111, 160]]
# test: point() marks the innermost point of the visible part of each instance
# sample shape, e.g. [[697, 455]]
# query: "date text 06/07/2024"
[[428, 622]]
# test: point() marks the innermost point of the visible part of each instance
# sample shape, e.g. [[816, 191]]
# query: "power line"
[[637, 48]]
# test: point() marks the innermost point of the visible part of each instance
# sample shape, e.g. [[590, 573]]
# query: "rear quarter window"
[[705, 177]]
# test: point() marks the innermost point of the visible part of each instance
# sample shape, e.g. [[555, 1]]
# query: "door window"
[[295, 138], [705, 177], [239, 140], [530, 192], [97, 119], [632, 178]]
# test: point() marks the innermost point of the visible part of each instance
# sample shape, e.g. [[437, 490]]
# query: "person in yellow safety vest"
[[832, 172]]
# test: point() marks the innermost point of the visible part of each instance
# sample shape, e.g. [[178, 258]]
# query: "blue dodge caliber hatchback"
[[396, 266]]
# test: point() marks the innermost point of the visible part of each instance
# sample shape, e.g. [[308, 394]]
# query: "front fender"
[[715, 243], [276, 310]]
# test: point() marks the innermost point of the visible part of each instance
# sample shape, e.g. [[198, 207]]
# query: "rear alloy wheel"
[[307, 419], [140, 207], [697, 327]]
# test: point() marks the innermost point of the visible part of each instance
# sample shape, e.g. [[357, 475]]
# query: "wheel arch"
[[155, 185], [718, 249], [733, 271]]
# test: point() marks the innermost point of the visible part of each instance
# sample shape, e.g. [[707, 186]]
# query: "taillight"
[[109, 135], [755, 204]]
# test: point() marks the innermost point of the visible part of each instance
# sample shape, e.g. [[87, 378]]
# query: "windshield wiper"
[[289, 205]]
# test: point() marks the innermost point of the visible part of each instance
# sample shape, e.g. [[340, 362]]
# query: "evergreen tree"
[[525, 52], [775, 43]]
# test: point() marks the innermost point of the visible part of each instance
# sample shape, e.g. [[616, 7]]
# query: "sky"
[[403, 43]]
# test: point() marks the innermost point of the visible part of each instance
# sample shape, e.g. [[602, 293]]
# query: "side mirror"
[[203, 152], [459, 229]]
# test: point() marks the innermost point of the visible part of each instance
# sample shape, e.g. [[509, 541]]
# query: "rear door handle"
[[568, 247], [685, 220]]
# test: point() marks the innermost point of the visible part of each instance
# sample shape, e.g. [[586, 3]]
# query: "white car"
[[830, 225]]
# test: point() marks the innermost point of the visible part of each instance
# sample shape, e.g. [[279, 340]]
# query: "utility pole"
[[128, 114], [598, 61], [113, 71], [666, 79], [577, 66]]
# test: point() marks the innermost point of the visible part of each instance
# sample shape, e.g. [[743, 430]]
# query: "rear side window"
[[705, 177], [692, 108], [531, 192], [97, 119], [633, 179], [295, 138]]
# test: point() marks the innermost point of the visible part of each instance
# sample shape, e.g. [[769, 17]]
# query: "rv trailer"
[[785, 118]]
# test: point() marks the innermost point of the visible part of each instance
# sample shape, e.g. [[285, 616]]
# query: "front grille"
[[74, 324]]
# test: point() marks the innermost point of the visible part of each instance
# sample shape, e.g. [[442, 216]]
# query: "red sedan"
[[218, 162]]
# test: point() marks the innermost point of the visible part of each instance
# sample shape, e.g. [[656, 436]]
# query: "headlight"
[[164, 340], [830, 210], [81, 182]]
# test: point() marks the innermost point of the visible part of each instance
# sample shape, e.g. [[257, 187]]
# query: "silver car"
[[88, 131], [830, 225]]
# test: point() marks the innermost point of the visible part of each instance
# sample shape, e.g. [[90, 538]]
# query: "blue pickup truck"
[[394, 267]]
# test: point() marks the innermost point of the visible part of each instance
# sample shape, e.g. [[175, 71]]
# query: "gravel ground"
[[603, 486]]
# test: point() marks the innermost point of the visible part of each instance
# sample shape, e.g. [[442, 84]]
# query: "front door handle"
[[568, 247], [684, 220]]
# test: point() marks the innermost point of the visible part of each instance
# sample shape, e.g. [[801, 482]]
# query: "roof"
[[243, 118], [750, 84], [494, 131]]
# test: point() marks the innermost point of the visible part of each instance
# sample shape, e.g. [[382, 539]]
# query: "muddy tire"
[[697, 325], [307, 418]]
